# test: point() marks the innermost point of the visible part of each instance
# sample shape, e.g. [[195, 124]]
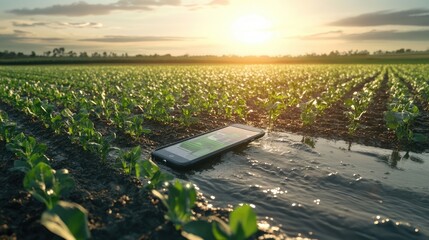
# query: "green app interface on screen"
[[210, 142]]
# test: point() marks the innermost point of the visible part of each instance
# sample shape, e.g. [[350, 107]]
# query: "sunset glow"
[[252, 29], [213, 27]]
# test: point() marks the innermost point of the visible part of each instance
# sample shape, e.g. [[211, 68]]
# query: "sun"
[[252, 29]]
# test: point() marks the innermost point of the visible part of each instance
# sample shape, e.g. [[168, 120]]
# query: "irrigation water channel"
[[321, 190]]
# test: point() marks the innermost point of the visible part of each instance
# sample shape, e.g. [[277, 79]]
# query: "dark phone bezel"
[[156, 155]]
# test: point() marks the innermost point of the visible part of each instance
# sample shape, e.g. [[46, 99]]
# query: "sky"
[[214, 27]]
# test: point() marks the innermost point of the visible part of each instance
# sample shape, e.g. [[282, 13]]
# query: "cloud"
[[389, 35], [23, 36], [81, 24], [29, 24], [58, 24], [82, 8], [412, 17], [20, 33], [323, 35], [219, 2], [125, 39], [417, 35], [21, 43], [73, 10], [147, 3]]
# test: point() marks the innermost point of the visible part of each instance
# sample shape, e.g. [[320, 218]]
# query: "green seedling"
[[67, 220], [354, 114], [103, 146], [242, 225], [29, 152], [7, 131], [179, 202], [309, 111], [274, 106], [129, 159], [188, 111], [3, 116], [400, 119], [46, 184], [56, 123], [40, 109], [134, 126], [154, 177]]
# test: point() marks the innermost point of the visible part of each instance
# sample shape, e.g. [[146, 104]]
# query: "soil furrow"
[[333, 122], [111, 198], [422, 121], [118, 206], [372, 130], [19, 212]]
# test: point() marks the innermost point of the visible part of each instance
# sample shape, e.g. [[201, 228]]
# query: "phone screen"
[[210, 142]]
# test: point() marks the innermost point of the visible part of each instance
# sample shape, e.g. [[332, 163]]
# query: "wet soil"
[[421, 123], [333, 123]]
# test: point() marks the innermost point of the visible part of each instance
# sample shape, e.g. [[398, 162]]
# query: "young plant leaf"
[[198, 230], [242, 222], [67, 220]]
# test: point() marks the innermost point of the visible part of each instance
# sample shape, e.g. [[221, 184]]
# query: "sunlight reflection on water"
[[316, 188]]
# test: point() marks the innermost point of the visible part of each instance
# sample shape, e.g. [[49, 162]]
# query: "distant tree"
[[71, 53], [95, 54], [104, 54], [83, 54], [55, 52], [62, 51], [58, 52], [378, 52], [33, 54], [334, 53], [400, 50], [363, 53], [47, 53]]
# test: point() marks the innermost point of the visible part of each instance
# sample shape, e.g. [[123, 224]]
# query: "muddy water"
[[318, 189]]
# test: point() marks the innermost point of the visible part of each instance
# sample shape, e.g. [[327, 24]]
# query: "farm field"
[[92, 118]]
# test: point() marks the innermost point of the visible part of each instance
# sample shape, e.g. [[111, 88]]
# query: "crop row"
[[402, 110], [65, 219], [81, 130], [418, 77], [124, 96], [69, 220], [358, 104], [315, 107]]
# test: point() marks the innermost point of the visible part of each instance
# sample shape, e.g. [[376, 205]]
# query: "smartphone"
[[198, 148]]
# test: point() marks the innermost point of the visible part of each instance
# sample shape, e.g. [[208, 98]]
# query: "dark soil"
[[333, 123], [421, 124], [119, 207]]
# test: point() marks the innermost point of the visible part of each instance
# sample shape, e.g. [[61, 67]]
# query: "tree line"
[[61, 52]]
